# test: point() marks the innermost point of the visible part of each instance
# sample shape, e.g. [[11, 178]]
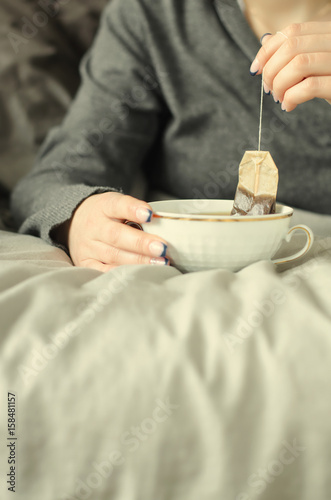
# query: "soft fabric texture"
[[166, 91], [145, 383]]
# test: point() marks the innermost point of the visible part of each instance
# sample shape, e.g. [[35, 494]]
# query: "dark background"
[[41, 45]]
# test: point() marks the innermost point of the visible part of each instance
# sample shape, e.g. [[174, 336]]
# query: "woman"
[[166, 90]]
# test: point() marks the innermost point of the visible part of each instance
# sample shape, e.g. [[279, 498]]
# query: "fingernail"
[[158, 248], [283, 107], [160, 262], [144, 215], [262, 37], [255, 67], [275, 99], [266, 89]]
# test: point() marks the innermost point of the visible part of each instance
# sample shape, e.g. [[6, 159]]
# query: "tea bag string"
[[257, 163], [261, 112]]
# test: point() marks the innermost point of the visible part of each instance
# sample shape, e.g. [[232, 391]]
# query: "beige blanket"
[[145, 383]]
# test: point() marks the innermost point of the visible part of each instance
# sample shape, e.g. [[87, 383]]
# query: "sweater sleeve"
[[107, 132]]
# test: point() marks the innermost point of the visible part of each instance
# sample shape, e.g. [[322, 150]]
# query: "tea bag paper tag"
[[258, 173]]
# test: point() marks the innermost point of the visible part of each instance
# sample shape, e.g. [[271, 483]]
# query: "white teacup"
[[201, 234]]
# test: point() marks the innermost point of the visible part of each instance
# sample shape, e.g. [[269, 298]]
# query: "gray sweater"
[[166, 92]]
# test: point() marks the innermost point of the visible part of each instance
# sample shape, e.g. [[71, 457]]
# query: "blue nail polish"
[[166, 262], [265, 34], [163, 254], [253, 74], [150, 215]]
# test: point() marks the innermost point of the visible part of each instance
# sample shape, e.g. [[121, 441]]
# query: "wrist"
[[60, 234]]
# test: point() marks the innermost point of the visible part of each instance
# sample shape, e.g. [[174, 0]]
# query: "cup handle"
[[310, 240]]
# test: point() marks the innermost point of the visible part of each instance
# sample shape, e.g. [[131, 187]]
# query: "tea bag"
[[258, 183]]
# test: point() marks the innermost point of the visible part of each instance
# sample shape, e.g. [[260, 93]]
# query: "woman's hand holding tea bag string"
[[97, 238], [296, 63]]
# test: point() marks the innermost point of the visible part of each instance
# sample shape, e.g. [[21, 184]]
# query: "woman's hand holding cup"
[[97, 237]]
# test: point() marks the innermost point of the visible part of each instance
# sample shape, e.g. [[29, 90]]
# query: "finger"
[[132, 239], [95, 264], [315, 86], [113, 255], [123, 206], [301, 67], [272, 44], [291, 49]]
